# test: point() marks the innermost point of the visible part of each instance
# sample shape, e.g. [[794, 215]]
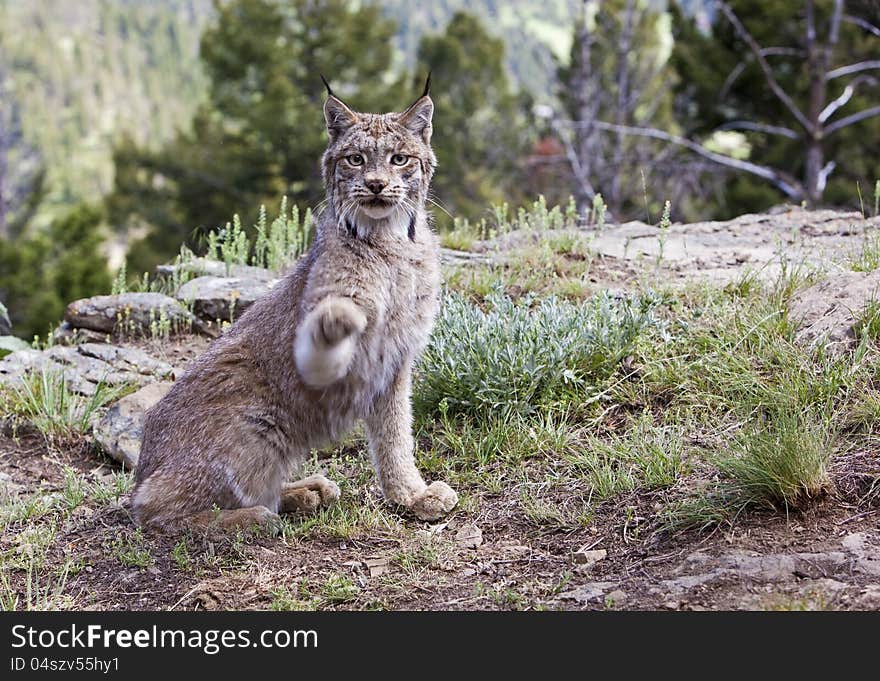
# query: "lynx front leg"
[[389, 431], [326, 340]]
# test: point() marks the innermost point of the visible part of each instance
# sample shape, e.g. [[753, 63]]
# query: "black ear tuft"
[[327, 85], [427, 91]]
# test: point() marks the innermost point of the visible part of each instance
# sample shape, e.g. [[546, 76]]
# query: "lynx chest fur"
[[395, 281]]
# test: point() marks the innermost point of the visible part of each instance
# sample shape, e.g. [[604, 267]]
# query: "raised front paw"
[[434, 502], [338, 318]]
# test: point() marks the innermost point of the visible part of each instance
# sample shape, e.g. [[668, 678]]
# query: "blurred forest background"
[[129, 128]]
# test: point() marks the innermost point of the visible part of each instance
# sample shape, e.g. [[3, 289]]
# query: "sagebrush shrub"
[[520, 356]]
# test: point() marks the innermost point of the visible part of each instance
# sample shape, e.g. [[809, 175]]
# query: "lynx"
[[333, 343]]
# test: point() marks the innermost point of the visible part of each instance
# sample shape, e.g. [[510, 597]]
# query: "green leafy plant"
[[519, 356]]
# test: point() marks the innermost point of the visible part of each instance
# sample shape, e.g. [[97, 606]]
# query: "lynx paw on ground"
[[436, 501], [308, 494], [258, 519]]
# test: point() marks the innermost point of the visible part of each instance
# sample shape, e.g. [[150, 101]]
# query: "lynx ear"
[[338, 116], [417, 118]]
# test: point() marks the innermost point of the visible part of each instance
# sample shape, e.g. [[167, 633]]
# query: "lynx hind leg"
[[308, 494], [162, 502], [253, 518]]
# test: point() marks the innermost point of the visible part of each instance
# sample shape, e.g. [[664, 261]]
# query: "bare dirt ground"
[[828, 558], [489, 554]]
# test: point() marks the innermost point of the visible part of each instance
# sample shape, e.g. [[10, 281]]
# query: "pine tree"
[[479, 132], [41, 272], [261, 133]]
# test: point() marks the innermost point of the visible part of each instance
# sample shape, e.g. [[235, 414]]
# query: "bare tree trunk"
[[623, 108], [815, 152], [4, 150], [585, 113]]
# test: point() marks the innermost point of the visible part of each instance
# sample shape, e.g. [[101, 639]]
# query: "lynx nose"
[[375, 186]]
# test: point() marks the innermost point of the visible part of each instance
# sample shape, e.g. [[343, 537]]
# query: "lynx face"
[[377, 167]]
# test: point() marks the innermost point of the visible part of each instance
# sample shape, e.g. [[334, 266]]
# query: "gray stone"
[[9, 344], [739, 565], [120, 430], [717, 251], [616, 597], [129, 314], [588, 557], [588, 592], [85, 366], [866, 554], [828, 312], [66, 334], [8, 488], [222, 298], [469, 536], [450, 256], [215, 268]]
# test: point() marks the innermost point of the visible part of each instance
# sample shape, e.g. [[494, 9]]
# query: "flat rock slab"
[[85, 366], [136, 314], [215, 268], [848, 568], [9, 344], [120, 430], [719, 251], [222, 298], [829, 312]]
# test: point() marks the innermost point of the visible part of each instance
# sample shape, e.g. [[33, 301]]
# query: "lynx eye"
[[355, 159], [399, 159]]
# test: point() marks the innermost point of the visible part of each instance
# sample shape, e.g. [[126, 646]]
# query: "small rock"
[[129, 313], [588, 557], [616, 597], [10, 344], [377, 566], [469, 536], [671, 605], [8, 488], [588, 592], [223, 298], [66, 334], [120, 431]]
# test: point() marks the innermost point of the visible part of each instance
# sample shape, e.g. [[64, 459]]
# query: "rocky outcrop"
[[130, 314], [830, 311], [717, 251], [215, 268], [10, 344], [119, 431], [86, 366], [222, 298]]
